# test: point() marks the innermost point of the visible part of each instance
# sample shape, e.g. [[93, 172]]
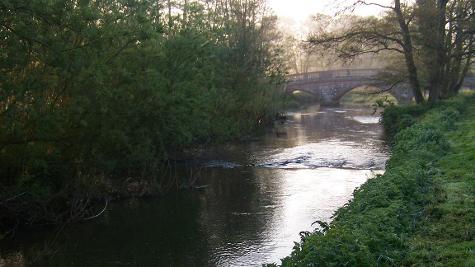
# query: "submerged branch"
[[98, 214]]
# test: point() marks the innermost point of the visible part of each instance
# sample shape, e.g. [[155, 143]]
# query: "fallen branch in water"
[[14, 197], [99, 214]]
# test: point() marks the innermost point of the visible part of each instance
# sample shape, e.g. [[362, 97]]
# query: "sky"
[[305, 8], [300, 10]]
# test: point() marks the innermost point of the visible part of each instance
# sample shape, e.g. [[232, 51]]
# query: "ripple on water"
[[331, 154], [222, 164], [366, 119]]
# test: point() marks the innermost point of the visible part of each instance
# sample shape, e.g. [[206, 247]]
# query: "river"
[[255, 199]]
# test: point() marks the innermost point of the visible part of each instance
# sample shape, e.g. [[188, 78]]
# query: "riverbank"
[[31, 205], [420, 212], [114, 94]]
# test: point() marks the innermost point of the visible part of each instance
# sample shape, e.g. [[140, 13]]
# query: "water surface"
[[257, 197]]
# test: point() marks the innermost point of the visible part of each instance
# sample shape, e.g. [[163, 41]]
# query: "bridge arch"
[[371, 89], [310, 92]]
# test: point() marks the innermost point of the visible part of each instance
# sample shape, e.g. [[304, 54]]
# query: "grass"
[[421, 212], [447, 236], [366, 97]]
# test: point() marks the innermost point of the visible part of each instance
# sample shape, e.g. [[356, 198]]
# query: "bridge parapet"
[[333, 75]]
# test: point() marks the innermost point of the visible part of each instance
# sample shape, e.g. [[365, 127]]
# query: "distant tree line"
[[431, 43], [302, 56], [94, 91]]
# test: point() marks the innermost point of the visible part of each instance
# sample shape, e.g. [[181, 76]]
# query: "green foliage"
[[370, 98], [424, 198], [397, 118], [447, 235], [100, 91]]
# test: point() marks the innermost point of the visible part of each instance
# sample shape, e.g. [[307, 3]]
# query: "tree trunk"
[[455, 89], [460, 63], [170, 22], [408, 54], [437, 78]]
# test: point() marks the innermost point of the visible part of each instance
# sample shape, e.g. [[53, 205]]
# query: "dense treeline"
[[94, 91]]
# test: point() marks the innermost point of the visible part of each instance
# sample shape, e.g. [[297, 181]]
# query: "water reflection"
[[258, 197]]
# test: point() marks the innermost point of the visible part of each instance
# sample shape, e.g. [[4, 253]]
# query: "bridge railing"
[[332, 74]]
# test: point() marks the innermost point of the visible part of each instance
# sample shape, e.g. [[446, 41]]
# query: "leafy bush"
[[94, 93]]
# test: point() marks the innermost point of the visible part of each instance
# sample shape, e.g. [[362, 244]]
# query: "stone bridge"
[[330, 86]]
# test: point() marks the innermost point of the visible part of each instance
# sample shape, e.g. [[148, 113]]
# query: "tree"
[[95, 93], [434, 38], [444, 35]]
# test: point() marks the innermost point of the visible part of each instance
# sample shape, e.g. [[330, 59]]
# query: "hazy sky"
[[300, 10], [304, 8]]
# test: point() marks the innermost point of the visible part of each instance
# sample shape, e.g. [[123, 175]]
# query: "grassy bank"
[[422, 210]]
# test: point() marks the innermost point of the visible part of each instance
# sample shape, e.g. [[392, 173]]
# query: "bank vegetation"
[[101, 95], [421, 211]]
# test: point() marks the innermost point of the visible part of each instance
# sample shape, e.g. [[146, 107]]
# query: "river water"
[[255, 199]]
